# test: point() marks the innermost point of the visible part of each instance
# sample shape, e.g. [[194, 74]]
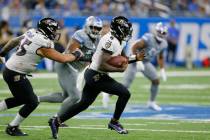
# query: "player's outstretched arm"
[[10, 45], [56, 56]]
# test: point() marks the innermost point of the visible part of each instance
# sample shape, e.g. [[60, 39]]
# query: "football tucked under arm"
[[117, 61]]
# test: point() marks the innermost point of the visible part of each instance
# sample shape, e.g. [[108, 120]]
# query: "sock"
[[3, 105], [52, 98], [105, 100], [17, 120], [154, 92]]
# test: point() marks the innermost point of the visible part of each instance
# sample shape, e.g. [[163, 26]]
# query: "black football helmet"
[[49, 27], [121, 28]]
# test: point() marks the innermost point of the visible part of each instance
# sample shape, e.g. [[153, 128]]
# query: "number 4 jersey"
[[25, 59]]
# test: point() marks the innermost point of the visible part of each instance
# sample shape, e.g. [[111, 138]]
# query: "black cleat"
[[54, 126], [117, 127], [14, 131]]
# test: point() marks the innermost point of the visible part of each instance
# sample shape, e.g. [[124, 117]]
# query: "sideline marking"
[[183, 73], [103, 128]]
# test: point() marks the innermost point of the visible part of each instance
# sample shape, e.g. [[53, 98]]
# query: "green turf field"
[[178, 90]]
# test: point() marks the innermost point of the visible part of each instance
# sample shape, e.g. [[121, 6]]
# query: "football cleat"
[[14, 131], [54, 126], [117, 127], [154, 106], [63, 125]]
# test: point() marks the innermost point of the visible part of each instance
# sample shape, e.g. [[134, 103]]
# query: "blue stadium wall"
[[194, 33]]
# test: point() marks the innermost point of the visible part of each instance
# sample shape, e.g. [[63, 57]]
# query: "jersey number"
[[21, 50]]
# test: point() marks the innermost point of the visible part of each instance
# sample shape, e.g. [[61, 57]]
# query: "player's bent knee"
[[156, 82], [126, 94], [34, 104]]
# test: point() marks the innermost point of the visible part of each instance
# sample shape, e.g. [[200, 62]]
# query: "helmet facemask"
[[93, 27], [121, 28], [160, 31], [50, 28]]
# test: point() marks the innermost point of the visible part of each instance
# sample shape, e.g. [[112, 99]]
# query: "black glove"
[[2, 54], [77, 54], [86, 58]]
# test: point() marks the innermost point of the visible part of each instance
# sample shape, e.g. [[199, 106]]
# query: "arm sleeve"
[[77, 37], [107, 46]]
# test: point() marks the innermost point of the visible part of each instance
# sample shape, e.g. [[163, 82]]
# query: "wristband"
[[132, 59]]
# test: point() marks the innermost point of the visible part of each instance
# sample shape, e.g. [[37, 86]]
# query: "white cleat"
[[154, 106]]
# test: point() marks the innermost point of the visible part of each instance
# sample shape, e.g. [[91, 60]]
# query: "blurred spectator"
[[106, 28], [14, 8], [72, 8], [137, 8], [104, 8], [5, 33], [89, 7], [118, 7], [64, 38], [172, 38], [27, 24], [41, 9], [193, 7]]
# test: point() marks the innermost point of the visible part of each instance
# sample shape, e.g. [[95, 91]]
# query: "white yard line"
[[180, 86], [103, 128], [184, 73]]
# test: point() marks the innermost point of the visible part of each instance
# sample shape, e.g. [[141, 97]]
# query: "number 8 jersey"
[[25, 59]]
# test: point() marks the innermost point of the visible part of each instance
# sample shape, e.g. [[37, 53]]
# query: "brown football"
[[117, 61]]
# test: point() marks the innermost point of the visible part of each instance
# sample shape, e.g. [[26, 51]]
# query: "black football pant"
[[22, 92], [96, 82]]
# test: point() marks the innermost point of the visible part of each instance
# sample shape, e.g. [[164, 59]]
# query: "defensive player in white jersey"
[[33, 45], [97, 78], [86, 40], [153, 45]]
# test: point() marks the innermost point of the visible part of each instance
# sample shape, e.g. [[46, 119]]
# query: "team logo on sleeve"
[[48, 44], [108, 44]]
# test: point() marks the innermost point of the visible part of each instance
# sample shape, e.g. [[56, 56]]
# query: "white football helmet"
[[161, 31], [93, 26]]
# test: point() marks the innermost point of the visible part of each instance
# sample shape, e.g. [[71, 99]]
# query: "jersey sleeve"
[[34, 41], [146, 38], [107, 45], [78, 36]]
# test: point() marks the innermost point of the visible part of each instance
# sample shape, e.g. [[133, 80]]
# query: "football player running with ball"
[[97, 78], [153, 45], [85, 39], [33, 45]]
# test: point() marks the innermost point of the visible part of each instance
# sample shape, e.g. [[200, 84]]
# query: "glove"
[[163, 74], [78, 54], [140, 66], [2, 60]]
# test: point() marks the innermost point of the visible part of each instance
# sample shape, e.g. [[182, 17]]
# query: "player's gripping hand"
[[78, 54], [163, 74], [140, 55], [2, 60]]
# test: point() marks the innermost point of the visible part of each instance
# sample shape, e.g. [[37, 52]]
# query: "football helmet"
[[93, 26], [121, 28], [50, 28], [161, 31]]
